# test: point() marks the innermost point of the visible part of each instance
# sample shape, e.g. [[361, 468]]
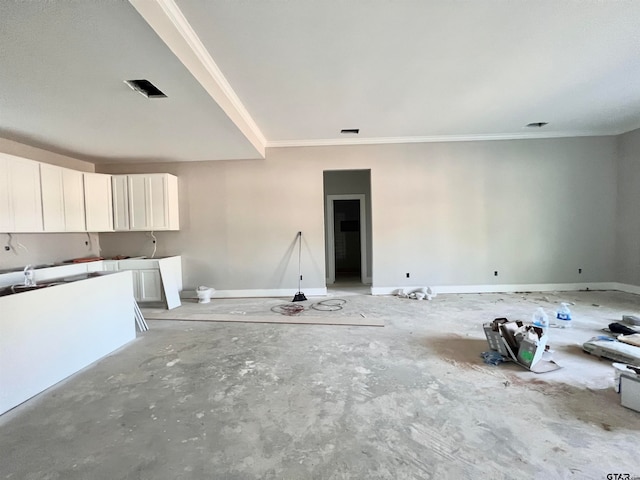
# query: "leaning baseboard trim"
[[259, 293], [538, 287]]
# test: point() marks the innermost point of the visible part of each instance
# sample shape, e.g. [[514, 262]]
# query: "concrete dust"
[[411, 400]]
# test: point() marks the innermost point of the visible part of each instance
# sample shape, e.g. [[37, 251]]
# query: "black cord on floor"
[[290, 309], [329, 305]]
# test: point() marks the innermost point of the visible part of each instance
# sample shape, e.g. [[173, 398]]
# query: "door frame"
[[330, 236]]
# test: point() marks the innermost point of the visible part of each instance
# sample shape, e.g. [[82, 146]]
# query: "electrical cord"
[[13, 249], [155, 244], [290, 309], [10, 245], [329, 305]]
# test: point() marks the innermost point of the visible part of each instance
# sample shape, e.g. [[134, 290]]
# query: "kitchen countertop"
[[21, 288]]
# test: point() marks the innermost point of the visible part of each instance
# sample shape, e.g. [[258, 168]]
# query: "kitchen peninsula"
[[50, 333]]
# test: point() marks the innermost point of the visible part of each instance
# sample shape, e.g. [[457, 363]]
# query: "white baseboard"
[[537, 287], [259, 293], [625, 287], [510, 288]]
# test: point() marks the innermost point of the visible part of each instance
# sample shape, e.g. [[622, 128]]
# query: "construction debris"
[[422, 293], [607, 347], [523, 344], [631, 319]]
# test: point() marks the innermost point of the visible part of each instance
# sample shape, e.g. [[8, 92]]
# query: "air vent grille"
[[146, 88]]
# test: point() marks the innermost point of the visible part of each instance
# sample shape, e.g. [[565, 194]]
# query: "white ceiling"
[[248, 74]]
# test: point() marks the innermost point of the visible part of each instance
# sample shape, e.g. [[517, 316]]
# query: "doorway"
[[347, 226], [346, 239]]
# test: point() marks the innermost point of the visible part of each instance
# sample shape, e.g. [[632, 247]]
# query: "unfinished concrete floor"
[[411, 400]]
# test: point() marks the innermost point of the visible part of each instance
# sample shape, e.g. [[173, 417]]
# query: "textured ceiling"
[[62, 67], [306, 69], [296, 72]]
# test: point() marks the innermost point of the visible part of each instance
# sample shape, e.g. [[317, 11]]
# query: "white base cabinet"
[[147, 285], [51, 333], [152, 277]]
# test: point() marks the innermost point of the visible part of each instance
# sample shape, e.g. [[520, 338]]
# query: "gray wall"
[[448, 213], [534, 210], [628, 231], [343, 182]]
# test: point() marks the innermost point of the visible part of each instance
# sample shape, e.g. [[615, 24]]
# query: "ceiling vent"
[[537, 124], [350, 131], [146, 88]]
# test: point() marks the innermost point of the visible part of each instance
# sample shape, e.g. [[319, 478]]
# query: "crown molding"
[[168, 21], [630, 128], [433, 139]]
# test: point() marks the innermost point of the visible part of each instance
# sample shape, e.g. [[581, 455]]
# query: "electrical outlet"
[[579, 270], [495, 273], [7, 248], [408, 275]]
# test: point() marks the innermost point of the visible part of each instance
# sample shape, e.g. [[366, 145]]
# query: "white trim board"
[[538, 287], [168, 21], [322, 292], [323, 142], [259, 293]]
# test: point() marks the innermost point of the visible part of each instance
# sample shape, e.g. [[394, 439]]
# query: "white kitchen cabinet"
[[73, 184], [51, 333], [52, 198], [6, 214], [145, 202], [98, 202], [120, 196], [20, 197], [147, 285], [154, 279], [110, 265], [62, 199]]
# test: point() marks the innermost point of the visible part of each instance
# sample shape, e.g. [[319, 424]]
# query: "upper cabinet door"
[[139, 202], [62, 199], [27, 202], [73, 201], [52, 198], [153, 202], [120, 191], [158, 202], [6, 213], [98, 202], [23, 192]]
